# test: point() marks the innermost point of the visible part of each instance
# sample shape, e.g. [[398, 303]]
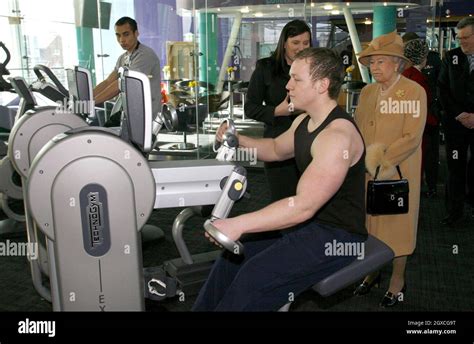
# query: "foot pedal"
[[158, 286]]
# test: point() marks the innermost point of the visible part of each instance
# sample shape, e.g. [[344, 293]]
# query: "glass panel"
[[11, 44], [246, 33], [208, 49], [8, 28], [48, 37], [106, 49], [170, 32], [235, 37]]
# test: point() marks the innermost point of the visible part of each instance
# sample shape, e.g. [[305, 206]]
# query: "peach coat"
[[393, 130]]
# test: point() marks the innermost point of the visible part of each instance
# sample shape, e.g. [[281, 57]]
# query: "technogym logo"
[[94, 214], [13, 249], [95, 220]]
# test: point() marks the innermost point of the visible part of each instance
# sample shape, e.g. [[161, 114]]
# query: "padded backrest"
[[21, 88], [80, 90], [137, 110]]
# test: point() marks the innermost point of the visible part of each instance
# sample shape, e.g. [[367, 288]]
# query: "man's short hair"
[[465, 22], [324, 63], [129, 21]]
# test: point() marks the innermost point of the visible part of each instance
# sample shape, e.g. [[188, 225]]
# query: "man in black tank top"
[[328, 209]]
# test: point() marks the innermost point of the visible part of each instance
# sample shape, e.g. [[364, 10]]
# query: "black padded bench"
[[377, 254]]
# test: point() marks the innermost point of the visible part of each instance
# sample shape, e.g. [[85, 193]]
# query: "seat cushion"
[[377, 254]]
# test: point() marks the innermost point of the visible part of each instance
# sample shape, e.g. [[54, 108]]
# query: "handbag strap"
[[399, 172], [378, 169]]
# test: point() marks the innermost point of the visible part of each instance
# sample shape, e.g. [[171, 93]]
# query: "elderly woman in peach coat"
[[391, 116]]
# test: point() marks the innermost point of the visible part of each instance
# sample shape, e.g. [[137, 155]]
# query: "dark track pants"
[[273, 270]]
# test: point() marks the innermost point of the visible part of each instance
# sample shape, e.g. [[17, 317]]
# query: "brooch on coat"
[[400, 93]]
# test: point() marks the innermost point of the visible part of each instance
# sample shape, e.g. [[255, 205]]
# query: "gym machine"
[[4, 85], [188, 271], [10, 181], [55, 92], [52, 91], [32, 130], [29, 134], [90, 191]]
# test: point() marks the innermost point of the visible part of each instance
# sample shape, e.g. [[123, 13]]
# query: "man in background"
[[456, 93], [137, 57]]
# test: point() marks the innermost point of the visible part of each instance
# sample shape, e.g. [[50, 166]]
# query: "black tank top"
[[346, 209]]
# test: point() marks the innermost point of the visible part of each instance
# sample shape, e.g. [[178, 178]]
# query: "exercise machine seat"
[[377, 254]]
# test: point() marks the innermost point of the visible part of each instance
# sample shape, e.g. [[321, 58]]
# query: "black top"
[[431, 70], [346, 209], [265, 86]]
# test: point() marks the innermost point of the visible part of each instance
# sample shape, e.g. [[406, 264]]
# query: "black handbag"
[[387, 197]]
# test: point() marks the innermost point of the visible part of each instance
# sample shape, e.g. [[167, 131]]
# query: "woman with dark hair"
[[268, 102]]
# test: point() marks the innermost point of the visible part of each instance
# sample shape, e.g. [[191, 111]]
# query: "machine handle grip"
[[235, 247], [7, 53], [39, 69], [229, 136]]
